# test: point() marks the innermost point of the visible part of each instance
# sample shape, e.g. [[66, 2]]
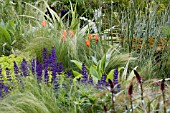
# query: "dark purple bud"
[[163, 84], [111, 84], [64, 12], [138, 77], [130, 90]]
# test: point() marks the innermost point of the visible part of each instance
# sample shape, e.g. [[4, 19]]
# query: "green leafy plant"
[[8, 62]]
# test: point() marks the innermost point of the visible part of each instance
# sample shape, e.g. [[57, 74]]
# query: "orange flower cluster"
[[92, 37], [43, 23], [87, 43], [65, 35]]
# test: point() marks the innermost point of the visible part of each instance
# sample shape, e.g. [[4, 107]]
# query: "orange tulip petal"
[[87, 43], [43, 23], [64, 35], [71, 33], [97, 38], [90, 36]]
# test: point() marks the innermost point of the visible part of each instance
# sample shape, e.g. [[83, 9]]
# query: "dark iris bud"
[[130, 90], [111, 84], [138, 77], [163, 84]]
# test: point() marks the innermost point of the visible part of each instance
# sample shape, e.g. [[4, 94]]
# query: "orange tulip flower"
[[71, 33], [43, 23], [64, 35], [87, 43], [90, 36], [97, 38]]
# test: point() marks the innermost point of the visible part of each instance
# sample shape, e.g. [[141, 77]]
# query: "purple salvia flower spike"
[[53, 55], [6, 88], [24, 68], [38, 71], [60, 67], [115, 81], [46, 77], [54, 73], [8, 75], [33, 65], [84, 73], [16, 69], [1, 75]]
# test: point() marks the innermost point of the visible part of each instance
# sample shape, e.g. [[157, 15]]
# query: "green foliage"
[[20, 28], [105, 65], [9, 36], [5, 40], [75, 97], [8, 62]]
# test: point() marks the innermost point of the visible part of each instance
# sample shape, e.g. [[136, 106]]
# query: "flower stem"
[[143, 105], [131, 103], [164, 103], [113, 109]]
